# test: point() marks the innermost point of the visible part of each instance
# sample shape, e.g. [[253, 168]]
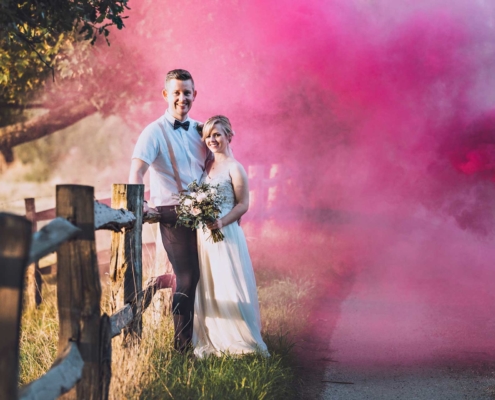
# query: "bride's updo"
[[207, 127]]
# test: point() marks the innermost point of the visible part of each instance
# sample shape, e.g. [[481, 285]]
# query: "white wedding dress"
[[227, 317]]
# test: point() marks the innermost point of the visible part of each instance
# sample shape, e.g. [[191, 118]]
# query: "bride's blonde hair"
[[207, 127]]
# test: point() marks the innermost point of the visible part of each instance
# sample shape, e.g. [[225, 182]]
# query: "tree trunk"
[[37, 127]]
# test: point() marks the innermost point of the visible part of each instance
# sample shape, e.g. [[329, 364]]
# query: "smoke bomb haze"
[[368, 131]]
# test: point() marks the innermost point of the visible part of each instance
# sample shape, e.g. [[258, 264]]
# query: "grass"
[[155, 371], [283, 305], [39, 337]]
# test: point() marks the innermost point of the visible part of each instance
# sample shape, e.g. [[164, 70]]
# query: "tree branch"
[[37, 127], [18, 106]]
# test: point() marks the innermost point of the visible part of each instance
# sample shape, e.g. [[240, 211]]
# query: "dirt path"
[[419, 382], [384, 345]]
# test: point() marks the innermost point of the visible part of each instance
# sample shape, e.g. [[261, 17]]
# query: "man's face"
[[180, 96]]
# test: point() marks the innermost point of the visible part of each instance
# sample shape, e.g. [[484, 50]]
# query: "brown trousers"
[[180, 243]]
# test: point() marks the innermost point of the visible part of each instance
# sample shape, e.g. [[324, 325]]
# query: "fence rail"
[[82, 368], [50, 237], [61, 377]]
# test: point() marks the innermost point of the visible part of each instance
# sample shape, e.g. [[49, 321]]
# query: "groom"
[[173, 150]]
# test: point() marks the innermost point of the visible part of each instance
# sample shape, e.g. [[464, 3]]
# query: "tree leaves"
[[32, 34], [29, 21], [37, 38]]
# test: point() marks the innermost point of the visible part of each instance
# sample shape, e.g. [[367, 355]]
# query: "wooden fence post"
[[15, 240], [126, 269], [33, 273], [161, 304], [79, 290]]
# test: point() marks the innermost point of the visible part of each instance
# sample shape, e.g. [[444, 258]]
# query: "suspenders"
[[172, 159]]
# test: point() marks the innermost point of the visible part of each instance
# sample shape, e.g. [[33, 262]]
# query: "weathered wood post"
[[15, 240], [33, 273], [126, 268], [79, 292], [162, 302]]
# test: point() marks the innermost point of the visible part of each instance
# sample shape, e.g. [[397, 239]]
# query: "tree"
[[36, 38]]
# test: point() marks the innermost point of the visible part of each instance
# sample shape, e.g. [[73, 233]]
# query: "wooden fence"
[[34, 282], [267, 183], [82, 369]]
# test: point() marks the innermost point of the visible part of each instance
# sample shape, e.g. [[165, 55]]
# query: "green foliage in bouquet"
[[200, 205]]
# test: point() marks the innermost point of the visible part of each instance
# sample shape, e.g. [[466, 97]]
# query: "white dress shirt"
[[190, 154]]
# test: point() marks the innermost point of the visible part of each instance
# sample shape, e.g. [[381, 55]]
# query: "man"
[[152, 150]]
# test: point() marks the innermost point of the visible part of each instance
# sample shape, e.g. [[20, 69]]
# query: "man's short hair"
[[179, 74]]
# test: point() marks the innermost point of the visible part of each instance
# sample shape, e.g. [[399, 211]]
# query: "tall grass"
[[39, 336], [153, 370]]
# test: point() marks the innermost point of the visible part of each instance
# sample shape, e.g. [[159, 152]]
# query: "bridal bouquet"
[[198, 206]]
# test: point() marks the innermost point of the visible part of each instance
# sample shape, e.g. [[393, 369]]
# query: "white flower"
[[201, 197], [188, 202], [195, 211], [193, 194], [213, 191]]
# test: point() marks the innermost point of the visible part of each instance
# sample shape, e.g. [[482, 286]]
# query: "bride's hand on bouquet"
[[218, 224]]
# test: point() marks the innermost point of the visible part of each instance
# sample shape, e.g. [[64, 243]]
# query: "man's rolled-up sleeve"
[[147, 146]]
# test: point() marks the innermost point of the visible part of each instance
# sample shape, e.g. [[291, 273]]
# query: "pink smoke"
[[379, 117]]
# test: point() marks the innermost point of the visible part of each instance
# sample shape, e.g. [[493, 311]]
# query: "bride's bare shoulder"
[[236, 168]]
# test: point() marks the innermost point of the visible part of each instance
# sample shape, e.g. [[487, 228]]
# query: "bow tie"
[[178, 124]]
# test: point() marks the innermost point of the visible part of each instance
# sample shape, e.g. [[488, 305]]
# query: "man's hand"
[[218, 224], [146, 208]]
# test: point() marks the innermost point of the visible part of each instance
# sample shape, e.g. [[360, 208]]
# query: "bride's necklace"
[[217, 164]]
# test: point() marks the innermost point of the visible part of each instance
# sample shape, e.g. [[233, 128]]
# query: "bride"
[[227, 317]]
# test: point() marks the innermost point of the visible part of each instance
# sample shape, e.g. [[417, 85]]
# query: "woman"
[[227, 318]]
